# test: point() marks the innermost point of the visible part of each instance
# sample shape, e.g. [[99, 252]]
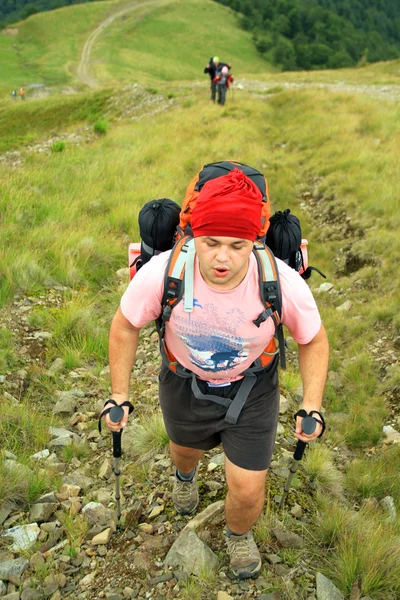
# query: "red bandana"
[[228, 206]]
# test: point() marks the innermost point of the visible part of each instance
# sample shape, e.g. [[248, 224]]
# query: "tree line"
[[321, 34], [12, 11]]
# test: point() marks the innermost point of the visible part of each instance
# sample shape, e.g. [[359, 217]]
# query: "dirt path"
[[83, 68], [383, 91]]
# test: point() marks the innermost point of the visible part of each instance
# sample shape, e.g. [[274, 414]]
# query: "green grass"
[[358, 547], [128, 49], [149, 439], [139, 49], [320, 469], [78, 335], [8, 357], [23, 429], [376, 477], [40, 54], [23, 485], [58, 147], [24, 123]]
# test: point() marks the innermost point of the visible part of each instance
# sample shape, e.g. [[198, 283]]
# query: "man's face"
[[223, 260]]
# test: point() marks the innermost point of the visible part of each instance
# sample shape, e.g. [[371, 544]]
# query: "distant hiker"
[[211, 70], [223, 79], [22, 93], [214, 65], [212, 388], [14, 94]]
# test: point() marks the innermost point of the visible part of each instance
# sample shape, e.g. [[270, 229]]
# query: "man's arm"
[[313, 362], [122, 347]]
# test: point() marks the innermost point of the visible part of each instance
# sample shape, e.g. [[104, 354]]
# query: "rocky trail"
[[67, 544]]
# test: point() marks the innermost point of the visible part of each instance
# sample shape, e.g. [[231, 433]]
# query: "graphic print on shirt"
[[211, 339]]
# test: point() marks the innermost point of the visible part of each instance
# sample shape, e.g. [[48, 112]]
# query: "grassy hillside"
[[135, 47], [174, 43], [47, 46], [68, 209]]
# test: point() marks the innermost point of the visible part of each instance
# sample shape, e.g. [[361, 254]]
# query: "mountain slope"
[[170, 41]]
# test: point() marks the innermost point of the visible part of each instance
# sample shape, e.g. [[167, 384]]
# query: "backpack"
[[282, 231]]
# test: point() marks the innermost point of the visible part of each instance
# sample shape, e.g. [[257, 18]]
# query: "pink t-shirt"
[[218, 340]]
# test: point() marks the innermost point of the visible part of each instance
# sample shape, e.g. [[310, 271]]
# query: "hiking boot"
[[244, 555], [185, 495]]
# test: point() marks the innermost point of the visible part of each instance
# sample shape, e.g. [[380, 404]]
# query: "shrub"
[[58, 146], [100, 127]]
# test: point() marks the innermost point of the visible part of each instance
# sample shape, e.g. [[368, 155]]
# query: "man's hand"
[[308, 437], [116, 414], [313, 361], [120, 424]]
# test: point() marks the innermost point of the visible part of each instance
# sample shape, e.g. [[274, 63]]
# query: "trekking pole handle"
[[116, 414], [308, 426], [299, 450]]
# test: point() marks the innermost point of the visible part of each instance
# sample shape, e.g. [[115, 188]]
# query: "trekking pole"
[[116, 413], [308, 426]]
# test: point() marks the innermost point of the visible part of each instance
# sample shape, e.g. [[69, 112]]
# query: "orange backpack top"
[[212, 171]]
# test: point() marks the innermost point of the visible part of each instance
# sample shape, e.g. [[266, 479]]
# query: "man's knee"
[[184, 451], [249, 492]]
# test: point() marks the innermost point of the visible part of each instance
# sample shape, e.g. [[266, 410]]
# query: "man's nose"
[[222, 253]]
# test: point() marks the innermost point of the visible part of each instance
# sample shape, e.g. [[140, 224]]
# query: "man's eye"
[[212, 244]]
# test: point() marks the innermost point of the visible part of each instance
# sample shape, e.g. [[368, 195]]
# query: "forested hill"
[[319, 34], [16, 10]]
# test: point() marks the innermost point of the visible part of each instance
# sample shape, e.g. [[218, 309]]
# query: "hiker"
[[223, 79], [215, 345], [22, 93], [14, 95], [213, 66]]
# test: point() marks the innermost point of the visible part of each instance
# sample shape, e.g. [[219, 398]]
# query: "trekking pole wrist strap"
[[107, 410], [303, 413]]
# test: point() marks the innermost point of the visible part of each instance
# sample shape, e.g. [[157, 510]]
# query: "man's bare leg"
[[245, 498], [185, 494], [243, 505], [185, 459]]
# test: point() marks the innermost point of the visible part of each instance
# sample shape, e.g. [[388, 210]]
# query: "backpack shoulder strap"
[[270, 293], [179, 277]]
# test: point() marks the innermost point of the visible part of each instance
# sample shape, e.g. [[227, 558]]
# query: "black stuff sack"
[[158, 220], [284, 238]]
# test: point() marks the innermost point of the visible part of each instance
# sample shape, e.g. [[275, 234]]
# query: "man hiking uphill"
[[218, 341]]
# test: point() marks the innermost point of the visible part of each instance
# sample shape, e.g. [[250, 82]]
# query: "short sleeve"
[[300, 313], [141, 302]]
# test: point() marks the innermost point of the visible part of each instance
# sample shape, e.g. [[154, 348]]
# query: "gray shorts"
[[200, 424]]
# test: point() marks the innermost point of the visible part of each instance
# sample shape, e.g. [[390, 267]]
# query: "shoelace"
[[183, 489], [239, 547]]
